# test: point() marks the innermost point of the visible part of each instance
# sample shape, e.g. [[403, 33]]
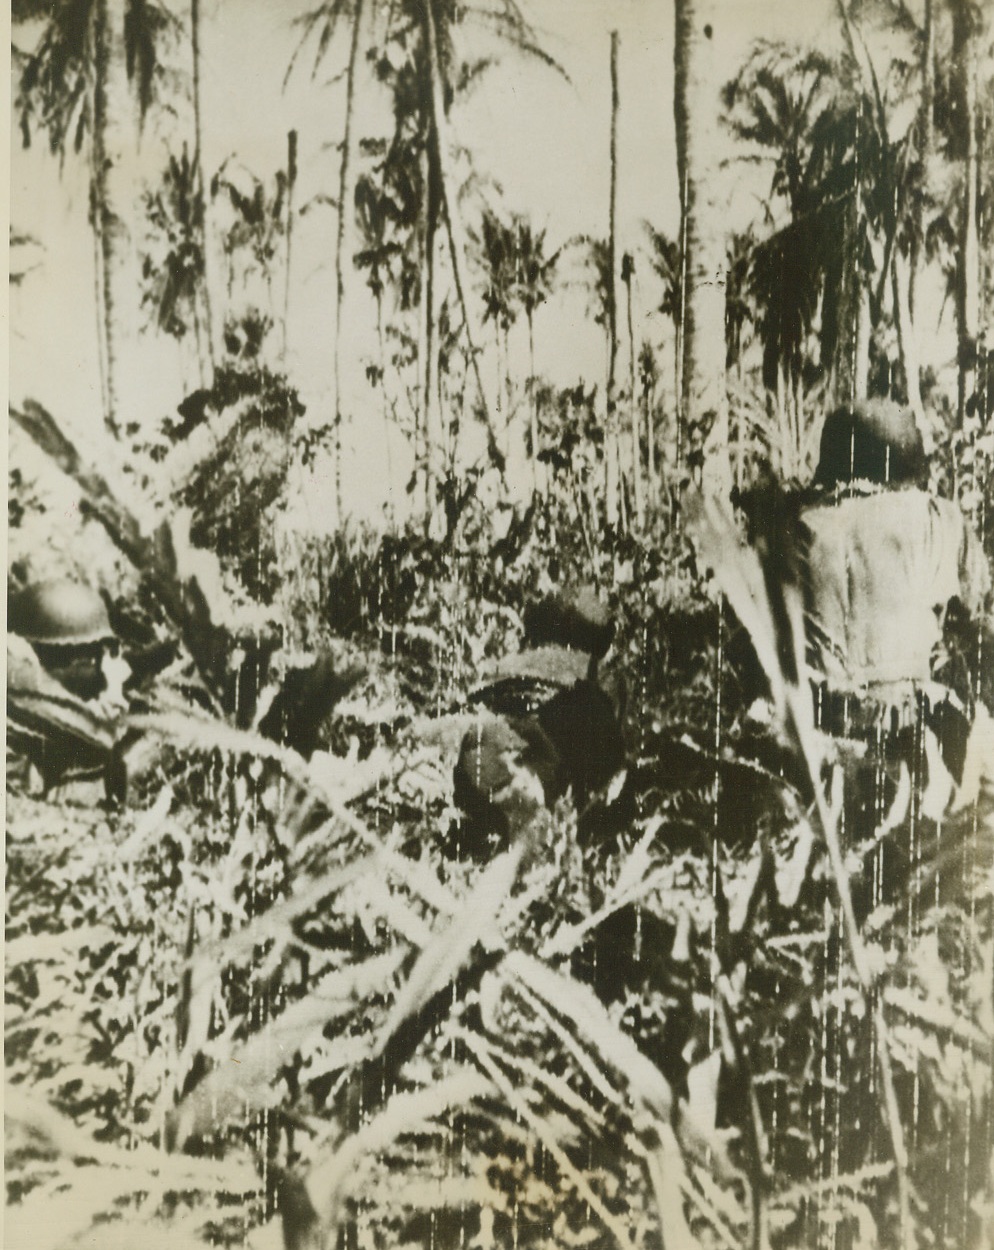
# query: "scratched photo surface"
[[500, 654]]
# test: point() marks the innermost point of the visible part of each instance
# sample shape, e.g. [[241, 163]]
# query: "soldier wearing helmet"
[[68, 628], [65, 680], [886, 563]]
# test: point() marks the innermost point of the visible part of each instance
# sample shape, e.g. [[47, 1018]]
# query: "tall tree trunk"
[[966, 22], [538, 483], [291, 183], [385, 403], [638, 494], [453, 222], [703, 209], [420, 443], [508, 398], [425, 335], [502, 416], [428, 367], [852, 352], [650, 442], [926, 149], [96, 224], [893, 268], [200, 346], [344, 217], [110, 99], [907, 335], [678, 367], [612, 458], [201, 191]]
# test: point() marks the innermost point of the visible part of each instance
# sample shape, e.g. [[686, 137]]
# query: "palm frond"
[[248, 1084], [325, 19], [448, 951], [55, 81], [508, 22], [146, 25]]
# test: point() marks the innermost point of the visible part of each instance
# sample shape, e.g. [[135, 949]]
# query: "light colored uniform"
[[881, 570]]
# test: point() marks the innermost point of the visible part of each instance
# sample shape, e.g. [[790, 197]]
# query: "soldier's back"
[[881, 570]]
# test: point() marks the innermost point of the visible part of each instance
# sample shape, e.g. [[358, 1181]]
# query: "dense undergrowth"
[[283, 994]]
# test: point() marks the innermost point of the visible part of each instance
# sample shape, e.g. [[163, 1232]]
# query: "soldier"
[[551, 726], [69, 630], [885, 561], [65, 680], [888, 566]]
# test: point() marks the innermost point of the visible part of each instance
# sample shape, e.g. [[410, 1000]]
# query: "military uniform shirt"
[[881, 569]]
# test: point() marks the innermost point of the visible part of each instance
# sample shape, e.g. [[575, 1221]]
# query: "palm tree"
[[533, 280], [738, 314], [664, 257], [424, 89], [400, 197], [648, 377], [253, 242], [597, 261], [496, 247], [173, 264], [436, 40], [518, 276], [896, 187], [440, 73], [612, 452], [705, 403], [375, 215], [74, 86], [851, 245], [325, 20]]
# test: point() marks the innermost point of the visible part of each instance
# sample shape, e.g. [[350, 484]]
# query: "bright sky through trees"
[[542, 140]]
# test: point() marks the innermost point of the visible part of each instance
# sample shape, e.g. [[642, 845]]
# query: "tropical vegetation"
[[269, 986]]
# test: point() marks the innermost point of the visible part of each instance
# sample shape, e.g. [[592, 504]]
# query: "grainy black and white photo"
[[500, 625]]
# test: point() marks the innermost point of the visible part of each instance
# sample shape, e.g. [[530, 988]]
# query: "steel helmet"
[[59, 613], [875, 440]]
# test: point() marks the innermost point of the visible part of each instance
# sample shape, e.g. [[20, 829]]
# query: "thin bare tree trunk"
[[650, 440], [108, 46], [638, 494], [198, 338], [291, 183], [431, 416], [678, 366], [864, 333], [424, 315], [198, 162], [385, 405], [965, 31], [96, 223], [537, 478], [926, 144], [699, 27], [907, 337], [612, 459], [892, 268], [450, 204], [852, 352], [344, 215], [502, 433], [508, 396]]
